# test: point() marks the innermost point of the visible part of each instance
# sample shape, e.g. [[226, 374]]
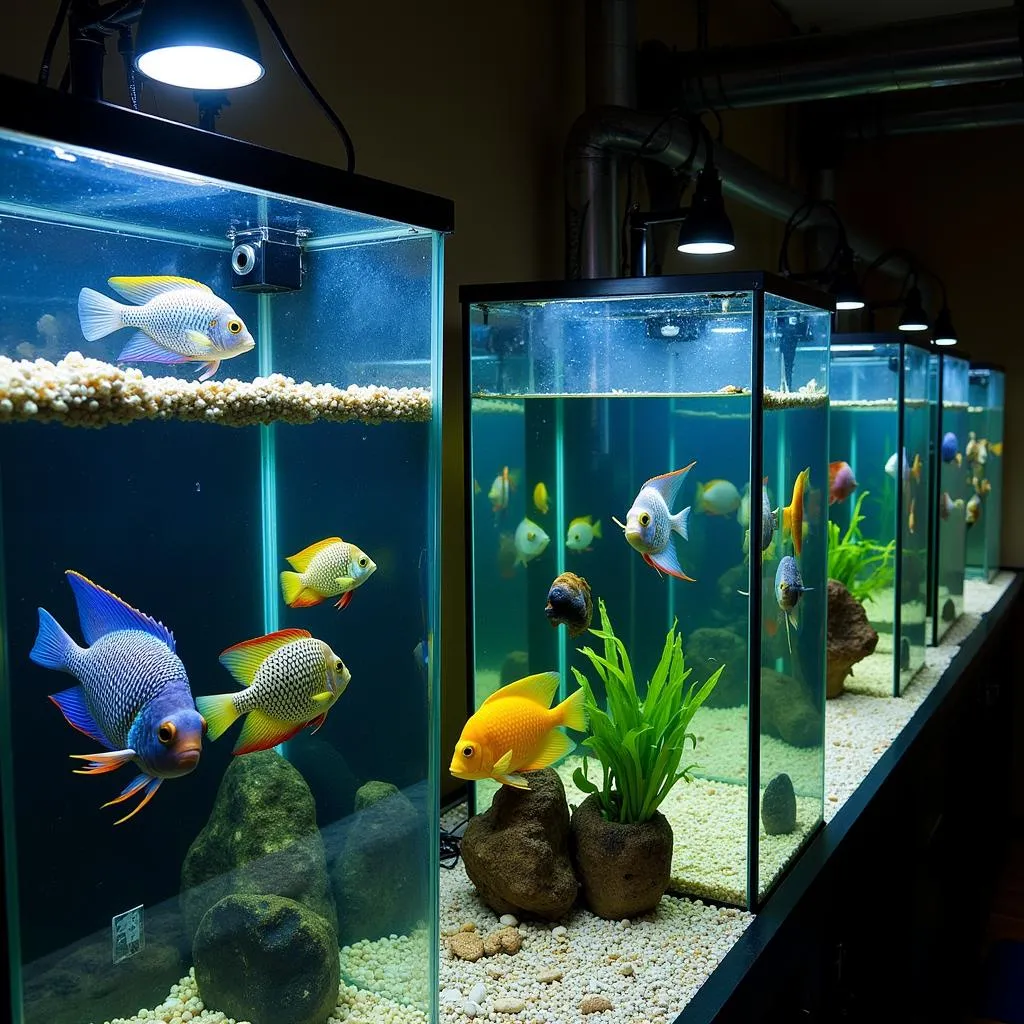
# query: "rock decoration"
[[778, 806], [516, 853], [787, 710], [624, 869], [850, 637], [267, 960], [379, 876], [468, 944], [261, 839], [81, 392]]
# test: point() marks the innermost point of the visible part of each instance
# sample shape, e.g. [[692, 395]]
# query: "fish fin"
[[556, 745], [142, 289], [502, 765], [515, 781], [219, 711], [53, 646], [650, 561], [668, 562], [789, 636], [322, 696], [679, 522], [344, 600], [209, 368], [140, 780], [98, 314], [151, 787], [597, 528], [300, 561], [101, 612], [570, 712], [201, 343], [291, 587], [242, 660], [141, 348], [76, 711], [99, 764], [317, 722], [261, 732], [539, 688], [668, 484]]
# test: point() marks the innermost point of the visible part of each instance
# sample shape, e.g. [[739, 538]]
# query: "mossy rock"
[[268, 960], [262, 838], [707, 649]]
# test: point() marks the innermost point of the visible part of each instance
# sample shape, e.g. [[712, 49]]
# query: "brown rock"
[[517, 852], [505, 940], [466, 946], [623, 869], [595, 1004], [787, 710], [850, 636]]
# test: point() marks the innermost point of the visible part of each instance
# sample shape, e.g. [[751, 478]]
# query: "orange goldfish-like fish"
[[515, 730], [841, 482], [793, 514]]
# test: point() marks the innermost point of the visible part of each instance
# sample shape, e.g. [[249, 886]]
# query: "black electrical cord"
[[51, 41], [451, 845], [293, 63], [800, 216]]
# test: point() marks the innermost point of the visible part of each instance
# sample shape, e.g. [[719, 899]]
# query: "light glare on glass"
[[200, 67]]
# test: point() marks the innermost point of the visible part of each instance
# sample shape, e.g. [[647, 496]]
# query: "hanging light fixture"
[[945, 332], [845, 287], [198, 44], [913, 317], [707, 230]]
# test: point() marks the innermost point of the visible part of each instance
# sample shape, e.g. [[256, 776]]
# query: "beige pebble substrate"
[[81, 392], [648, 968]]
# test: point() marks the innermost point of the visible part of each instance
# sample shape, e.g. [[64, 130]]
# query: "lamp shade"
[[845, 286], [913, 317], [945, 332], [198, 44], [707, 229]]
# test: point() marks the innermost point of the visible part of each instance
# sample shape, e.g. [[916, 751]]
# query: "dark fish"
[[789, 588], [951, 448], [569, 603]]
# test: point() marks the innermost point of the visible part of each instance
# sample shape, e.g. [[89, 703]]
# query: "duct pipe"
[[977, 47], [605, 134], [956, 119]]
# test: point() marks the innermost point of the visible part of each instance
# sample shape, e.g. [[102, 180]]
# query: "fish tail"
[[53, 647], [597, 529], [296, 594], [570, 712], [789, 636], [679, 522], [219, 711], [98, 314]]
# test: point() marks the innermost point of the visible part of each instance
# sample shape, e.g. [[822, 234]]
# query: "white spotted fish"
[[650, 522], [291, 680], [325, 569], [134, 697], [178, 320]]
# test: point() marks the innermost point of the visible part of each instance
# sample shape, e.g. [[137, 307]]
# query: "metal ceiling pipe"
[[955, 119], [601, 136], [978, 47]]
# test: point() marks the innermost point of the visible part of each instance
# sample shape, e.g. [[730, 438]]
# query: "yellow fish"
[[540, 498], [325, 569], [996, 448], [516, 730], [793, 515]]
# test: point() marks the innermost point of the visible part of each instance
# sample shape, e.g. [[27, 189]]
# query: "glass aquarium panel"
[[879, 501], [576, 402], [292, 861], [985, 462], [958, 503]]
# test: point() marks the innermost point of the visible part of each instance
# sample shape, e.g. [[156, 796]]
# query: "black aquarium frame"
[[759, 283], [904, 341], [32, 110], [933, 575]]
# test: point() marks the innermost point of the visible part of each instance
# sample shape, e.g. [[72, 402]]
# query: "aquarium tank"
[[984, 447], [658, 446], [219, 429], [879, 500], [957, 506]]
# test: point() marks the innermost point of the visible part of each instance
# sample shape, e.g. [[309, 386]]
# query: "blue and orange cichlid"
[[134, 696]]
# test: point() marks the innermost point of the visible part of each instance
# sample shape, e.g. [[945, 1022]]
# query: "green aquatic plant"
[[639, 742], [863, 566]]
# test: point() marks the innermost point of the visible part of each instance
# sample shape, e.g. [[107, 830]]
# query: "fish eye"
[[202, 723], [166, 733], [235, 326], [467, 751], [645, 518], [339, 665], [531, 536], [363, 562]]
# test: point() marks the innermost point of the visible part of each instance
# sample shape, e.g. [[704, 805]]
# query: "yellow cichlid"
[[540, 498], [516, 730], [793, 515], [325, 569]]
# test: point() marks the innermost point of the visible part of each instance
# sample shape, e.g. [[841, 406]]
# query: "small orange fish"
[[793, 514], [841, 482], [996, 448], [911, 522], [516, 730]]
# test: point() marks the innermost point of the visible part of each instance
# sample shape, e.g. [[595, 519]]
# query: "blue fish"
[[951, 448], [134, 696], [788, 589]]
